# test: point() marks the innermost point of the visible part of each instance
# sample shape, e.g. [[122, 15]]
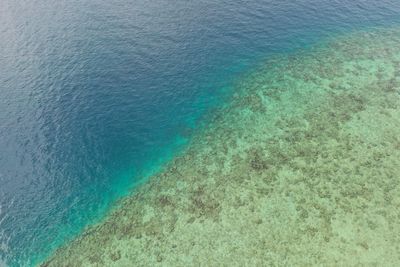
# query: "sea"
[[96, 96]]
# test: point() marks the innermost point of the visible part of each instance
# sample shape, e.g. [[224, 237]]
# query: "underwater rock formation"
[[300, 167]]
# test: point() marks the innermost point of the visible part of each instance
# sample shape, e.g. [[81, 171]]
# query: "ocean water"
[[97, 95], [300, 167]]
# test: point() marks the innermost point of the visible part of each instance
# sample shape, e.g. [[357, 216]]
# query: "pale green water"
[[300, 167]]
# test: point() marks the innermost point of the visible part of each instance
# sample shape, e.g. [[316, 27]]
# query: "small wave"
[[4, 239]]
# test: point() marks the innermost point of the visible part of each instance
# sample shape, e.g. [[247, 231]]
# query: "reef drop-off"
[[300, 167]]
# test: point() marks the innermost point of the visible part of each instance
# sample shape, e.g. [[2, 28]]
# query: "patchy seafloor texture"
[[301, 167]]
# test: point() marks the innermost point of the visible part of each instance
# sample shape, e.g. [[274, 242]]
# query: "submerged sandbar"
[[301, 167]]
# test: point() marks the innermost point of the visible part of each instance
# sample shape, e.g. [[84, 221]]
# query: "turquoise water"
[[96, 95]]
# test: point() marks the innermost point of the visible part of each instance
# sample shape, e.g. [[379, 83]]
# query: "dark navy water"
[[95, 95]]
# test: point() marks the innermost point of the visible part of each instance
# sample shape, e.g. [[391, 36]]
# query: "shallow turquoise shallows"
[[96, 95]]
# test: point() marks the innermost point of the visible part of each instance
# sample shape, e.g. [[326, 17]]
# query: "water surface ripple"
[[96, 94]]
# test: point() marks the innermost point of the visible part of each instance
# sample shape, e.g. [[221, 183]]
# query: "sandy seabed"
[[301, 167]]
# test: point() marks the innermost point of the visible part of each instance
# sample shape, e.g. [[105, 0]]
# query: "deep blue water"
[[95, 95]]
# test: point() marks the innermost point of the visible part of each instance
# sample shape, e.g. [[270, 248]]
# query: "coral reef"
[[300, 167]]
